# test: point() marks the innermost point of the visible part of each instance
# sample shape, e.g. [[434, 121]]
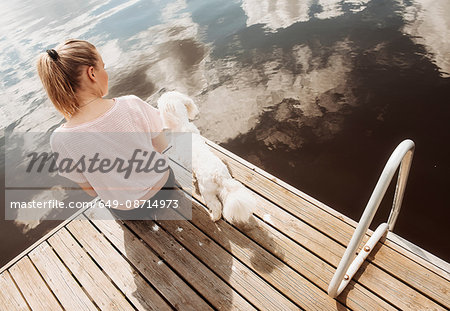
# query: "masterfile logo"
[[140, 161], [45, 174]]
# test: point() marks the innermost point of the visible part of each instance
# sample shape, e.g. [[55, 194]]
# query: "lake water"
[[317, 93]]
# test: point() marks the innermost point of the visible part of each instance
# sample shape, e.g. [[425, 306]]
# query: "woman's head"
[[71, 71]]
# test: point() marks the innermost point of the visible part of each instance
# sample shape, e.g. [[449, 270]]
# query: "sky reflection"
[[278, 68], [428, 23]]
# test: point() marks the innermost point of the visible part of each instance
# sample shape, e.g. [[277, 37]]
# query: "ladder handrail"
[[402, 156]]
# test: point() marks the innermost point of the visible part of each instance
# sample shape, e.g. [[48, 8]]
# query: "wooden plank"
[[359, 298], [126, 278], [105, 295], [33, 287], [155, 270], [316, 270], [355, 296], [377, 280], [276, 273], [372, 277], [208, 284], [423, 280], [417, 254], [59, 279], [10, 296], [42, 239], [436, 265], [233, 271]]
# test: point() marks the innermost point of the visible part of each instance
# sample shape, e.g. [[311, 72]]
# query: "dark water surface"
[[317, 93]]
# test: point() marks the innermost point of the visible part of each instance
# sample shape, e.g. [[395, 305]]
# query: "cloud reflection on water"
[[168, 48], [231, 92], [276, 14], [428, 23], [235, 104]]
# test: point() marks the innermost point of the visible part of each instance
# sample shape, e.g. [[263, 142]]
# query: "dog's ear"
[[191, 107]]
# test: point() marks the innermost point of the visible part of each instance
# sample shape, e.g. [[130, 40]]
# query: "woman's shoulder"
[[136, 103], [57, 139], [129, 98]]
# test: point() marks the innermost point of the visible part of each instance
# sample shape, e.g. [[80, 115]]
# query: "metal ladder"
[[402, 156]]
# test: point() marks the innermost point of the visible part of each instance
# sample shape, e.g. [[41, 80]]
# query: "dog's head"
[[176, 110]]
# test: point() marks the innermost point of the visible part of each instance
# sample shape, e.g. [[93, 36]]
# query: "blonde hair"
[[60, 70]]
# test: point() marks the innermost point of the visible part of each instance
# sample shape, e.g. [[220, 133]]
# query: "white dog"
[[215, 183]]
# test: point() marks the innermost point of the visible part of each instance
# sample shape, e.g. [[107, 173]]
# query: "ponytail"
[[60, 69]]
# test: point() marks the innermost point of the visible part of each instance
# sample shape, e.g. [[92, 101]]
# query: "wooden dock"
[[284, 260]]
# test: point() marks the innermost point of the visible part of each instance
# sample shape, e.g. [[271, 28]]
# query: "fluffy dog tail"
[[238, 202]]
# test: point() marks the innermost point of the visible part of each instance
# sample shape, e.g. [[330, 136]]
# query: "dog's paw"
[[215, 214]]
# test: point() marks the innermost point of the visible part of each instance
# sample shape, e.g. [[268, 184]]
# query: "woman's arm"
[[160, 142], [154, 125]]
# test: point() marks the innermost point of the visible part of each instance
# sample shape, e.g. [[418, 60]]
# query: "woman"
[[75, 79]]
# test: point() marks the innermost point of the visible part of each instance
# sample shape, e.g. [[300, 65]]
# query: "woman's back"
[[91, 112], [114, 151]]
